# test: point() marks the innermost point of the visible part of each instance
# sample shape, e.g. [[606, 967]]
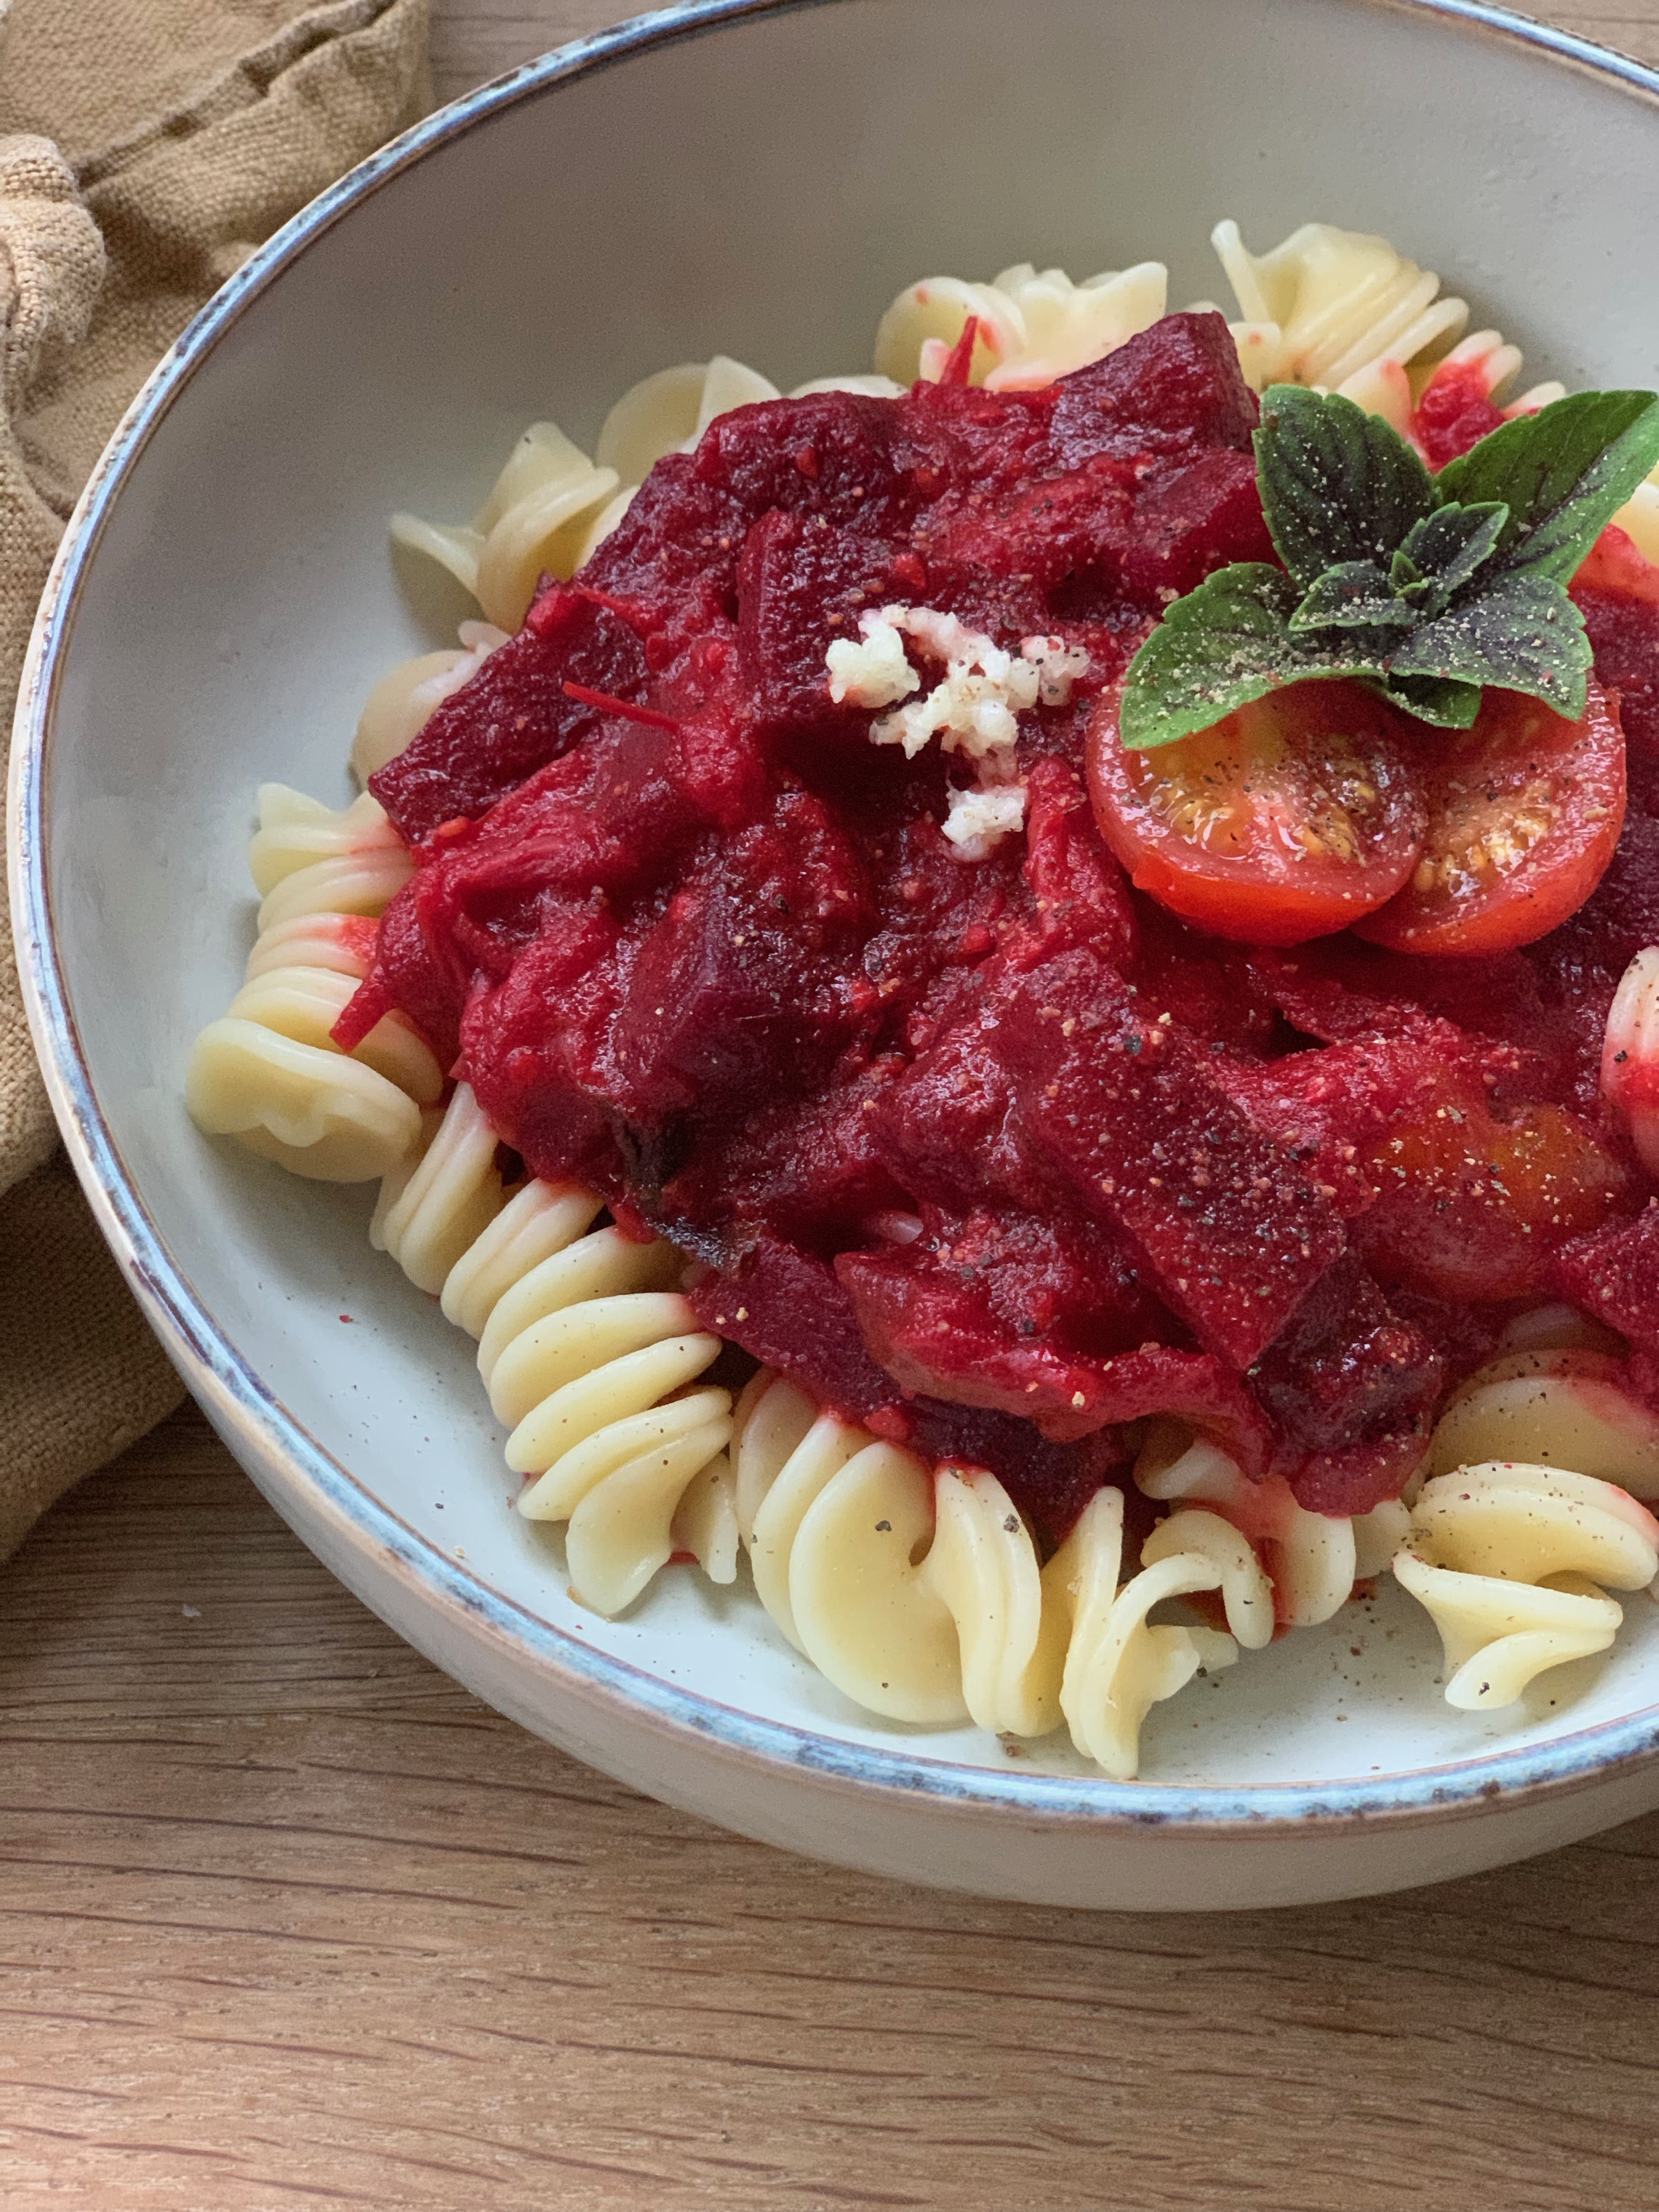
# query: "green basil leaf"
[[1439, 699], [1404, 573], [1445, 549], [1354, 595], [1564, 473], [1337, 484], [1223, 645], [1523, 635]]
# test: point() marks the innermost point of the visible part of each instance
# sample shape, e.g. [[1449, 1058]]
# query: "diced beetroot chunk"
[[1126, 1115], [941, 1338], [788, 1309], [1195, 519], [1174, 387], [1351, 1388], [1624, 633], [1082, 895], [1614, 1274], [514, 715]]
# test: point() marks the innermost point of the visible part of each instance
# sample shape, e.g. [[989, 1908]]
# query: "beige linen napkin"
[[146, 146]]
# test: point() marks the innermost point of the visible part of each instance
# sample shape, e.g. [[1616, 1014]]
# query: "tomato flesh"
[[1293, 817], [1471, 1206], [1524, 811]]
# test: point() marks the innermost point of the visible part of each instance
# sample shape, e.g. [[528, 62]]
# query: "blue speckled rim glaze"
[[270, 1435]]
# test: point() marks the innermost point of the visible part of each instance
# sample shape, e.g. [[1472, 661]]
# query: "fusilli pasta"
[[1312, 1559], [535, 521], [588, 1354], [920, 1597], [1509, 1560], [268, 1071], [1034, 325], [1630, 1055], [432, 1209], [1566, 1408]]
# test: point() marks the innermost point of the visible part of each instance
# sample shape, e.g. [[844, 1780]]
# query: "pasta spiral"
[[1034, 325], [1509, 1560], [535, 521], [1325, 305], [1313, 1560], [1118, 1663], [1640, 518], [588, 1354], [1630, 1055], [1345, 310], [434, 1207], [1563, 1408], [667, 413], [920, 1596], [268, 1071]]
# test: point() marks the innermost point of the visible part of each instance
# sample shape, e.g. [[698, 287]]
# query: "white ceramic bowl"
[[757, 179]]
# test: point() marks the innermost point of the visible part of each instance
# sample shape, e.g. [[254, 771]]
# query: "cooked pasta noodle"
[[434, 1208], [1034, 325], [1508, 1560], [268, 1071], [1328, 305], [535, 521], [588, 1355], [866, 1615], [706, 1520], [1640, 518], [667, 413], [1630, 1055], [920, 1597], [1497, 1636], [1247, 1595], [1311, 1557], [1565, 1408], [983, 1565], [1345, 310], [1118, 1663], [1556, 1328]]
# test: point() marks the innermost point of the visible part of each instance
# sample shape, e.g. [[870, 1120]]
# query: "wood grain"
[[289, 1919]]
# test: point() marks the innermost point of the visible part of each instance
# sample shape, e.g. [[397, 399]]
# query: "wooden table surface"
[[291, 1919]]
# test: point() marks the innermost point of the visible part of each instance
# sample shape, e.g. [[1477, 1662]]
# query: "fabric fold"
[[146, 147]]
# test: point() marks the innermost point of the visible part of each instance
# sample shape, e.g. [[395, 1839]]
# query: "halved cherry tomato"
[[1291, 818], [1524, 811]]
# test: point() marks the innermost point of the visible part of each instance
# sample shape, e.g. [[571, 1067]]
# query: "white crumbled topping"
[[871, 671], [1058, 667], [979, 819], [974, 710]]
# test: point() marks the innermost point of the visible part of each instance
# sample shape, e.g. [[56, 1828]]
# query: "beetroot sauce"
[[994, 1155]]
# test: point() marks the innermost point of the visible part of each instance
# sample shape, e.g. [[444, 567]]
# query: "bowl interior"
[[762, 192]]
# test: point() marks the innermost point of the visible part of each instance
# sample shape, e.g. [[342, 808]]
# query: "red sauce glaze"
[[997, 1156], [1455, 412]]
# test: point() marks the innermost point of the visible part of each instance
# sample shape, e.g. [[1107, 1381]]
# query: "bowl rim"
[[268, 1435]]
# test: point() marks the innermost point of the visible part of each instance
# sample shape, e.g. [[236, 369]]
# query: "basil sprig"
[[1426, 588]]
